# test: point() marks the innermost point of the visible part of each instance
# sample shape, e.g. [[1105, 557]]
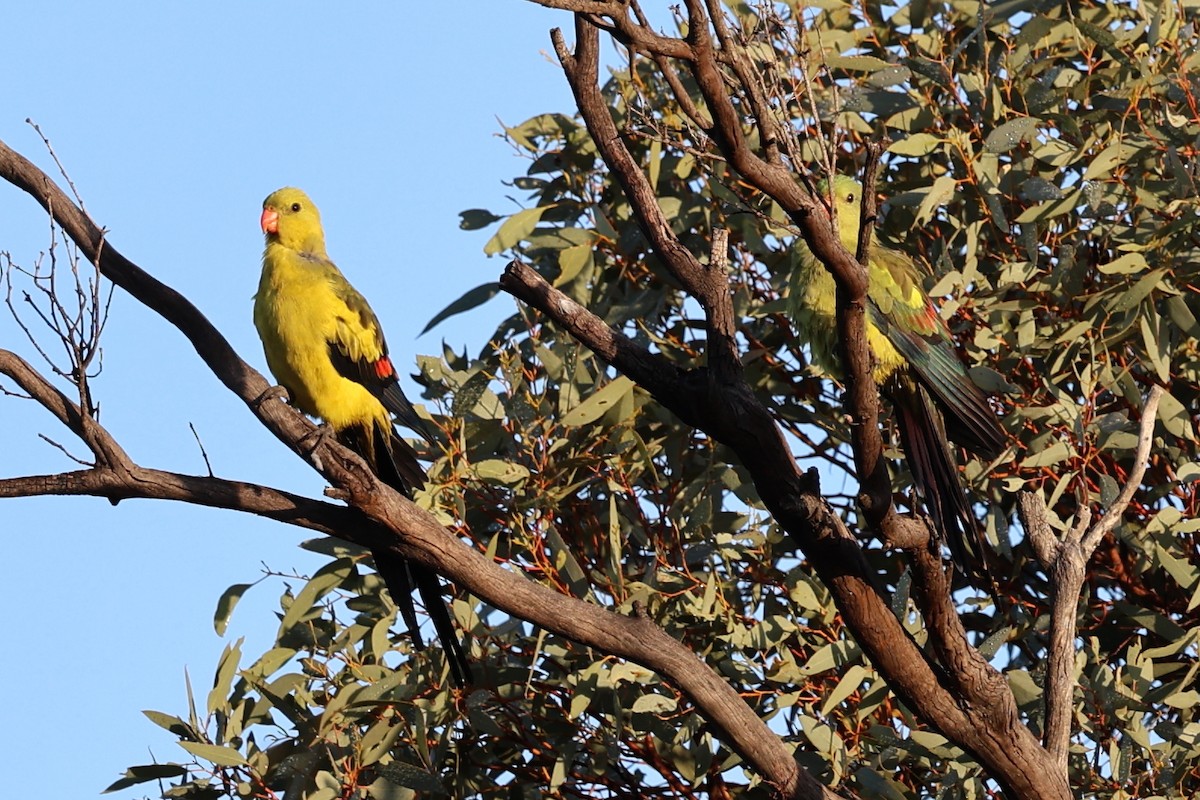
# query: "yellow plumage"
[[324, 345], [302, 305], [916, 366], [813, 294]]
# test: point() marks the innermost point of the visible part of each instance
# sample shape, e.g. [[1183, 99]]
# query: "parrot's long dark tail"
[[395, 462], [935, 475]]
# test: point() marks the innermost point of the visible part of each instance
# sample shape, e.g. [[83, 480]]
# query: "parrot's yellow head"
[[291, 219], [847, 197]]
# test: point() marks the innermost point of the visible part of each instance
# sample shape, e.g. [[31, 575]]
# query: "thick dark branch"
[[738, 420], [862, 393], [407, 530], [979, 719], [628, 31], [735, 417]]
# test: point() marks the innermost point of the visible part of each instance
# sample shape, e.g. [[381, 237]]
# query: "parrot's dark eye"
[[850, 197], [295, 207]]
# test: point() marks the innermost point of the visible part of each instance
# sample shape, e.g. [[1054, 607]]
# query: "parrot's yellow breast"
[[297, 314], [812, 296]]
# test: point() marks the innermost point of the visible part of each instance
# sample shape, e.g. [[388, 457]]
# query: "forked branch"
[[1065, 559], [956, 691], [379, 518]]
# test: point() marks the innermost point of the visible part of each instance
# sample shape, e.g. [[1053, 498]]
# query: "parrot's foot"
[[309, 443], [272, 393]]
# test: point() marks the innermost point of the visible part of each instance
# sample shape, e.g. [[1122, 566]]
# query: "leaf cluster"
[[1042, 160]]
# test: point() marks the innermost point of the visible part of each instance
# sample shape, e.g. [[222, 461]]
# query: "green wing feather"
[[902, 311]]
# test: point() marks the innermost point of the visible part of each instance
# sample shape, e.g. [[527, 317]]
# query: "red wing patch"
[[384, 369]]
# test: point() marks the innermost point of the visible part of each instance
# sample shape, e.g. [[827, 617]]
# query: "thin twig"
[[203, 452]]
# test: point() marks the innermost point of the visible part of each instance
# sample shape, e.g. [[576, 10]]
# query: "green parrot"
[[916, 368]]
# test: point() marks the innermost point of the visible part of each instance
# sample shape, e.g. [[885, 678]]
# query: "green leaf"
[[1039, 190], [991, 381], [1104, 162], [170, 723], [856, 63], [832, 655], [475, 218], [326, 578], [145, 773], [1125, 265], [496, 470], [473, 298], [654, 704], [1175, 418], [225, 605], [1050, 209], [1182, 316], [270, 662], [937, 196], [1156, 349], [227, 667], [847, 685], [918, 144], [1007, 136], [334, 547], [594, 407], [515, 229], [1145, 285], [571, 262], [411, 777], [991, 644], [878, 786], [1056, 452], [215, 753]]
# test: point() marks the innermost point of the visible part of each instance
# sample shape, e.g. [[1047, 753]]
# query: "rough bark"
[[377, 516], [951, 686]]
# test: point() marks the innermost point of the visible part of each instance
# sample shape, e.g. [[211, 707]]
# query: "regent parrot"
[[916, 368], [324, 345]]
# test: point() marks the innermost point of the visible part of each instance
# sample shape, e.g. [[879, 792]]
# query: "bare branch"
[[974, 707], [397, 525], [1065, 560], [709, 286], [671, 75], [1145, 438], [770, 134], [108, 453]]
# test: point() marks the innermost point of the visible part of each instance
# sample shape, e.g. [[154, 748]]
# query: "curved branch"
[[974, 708], [708, 285], [402, 527]]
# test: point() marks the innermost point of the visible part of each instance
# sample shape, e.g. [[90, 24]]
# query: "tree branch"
[[737, 419], [975, 707], [1065, 559], [708, 285], [402, 527]]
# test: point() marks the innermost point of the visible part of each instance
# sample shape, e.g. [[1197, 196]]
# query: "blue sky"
[[174, 122]]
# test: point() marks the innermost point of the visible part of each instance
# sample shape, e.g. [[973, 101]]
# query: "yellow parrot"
[[324, 345], [916, 368]]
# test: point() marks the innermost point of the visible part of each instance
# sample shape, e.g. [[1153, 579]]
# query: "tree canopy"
[[672, 583]]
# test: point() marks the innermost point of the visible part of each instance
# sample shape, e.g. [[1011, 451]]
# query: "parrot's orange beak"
[[269, 221]]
